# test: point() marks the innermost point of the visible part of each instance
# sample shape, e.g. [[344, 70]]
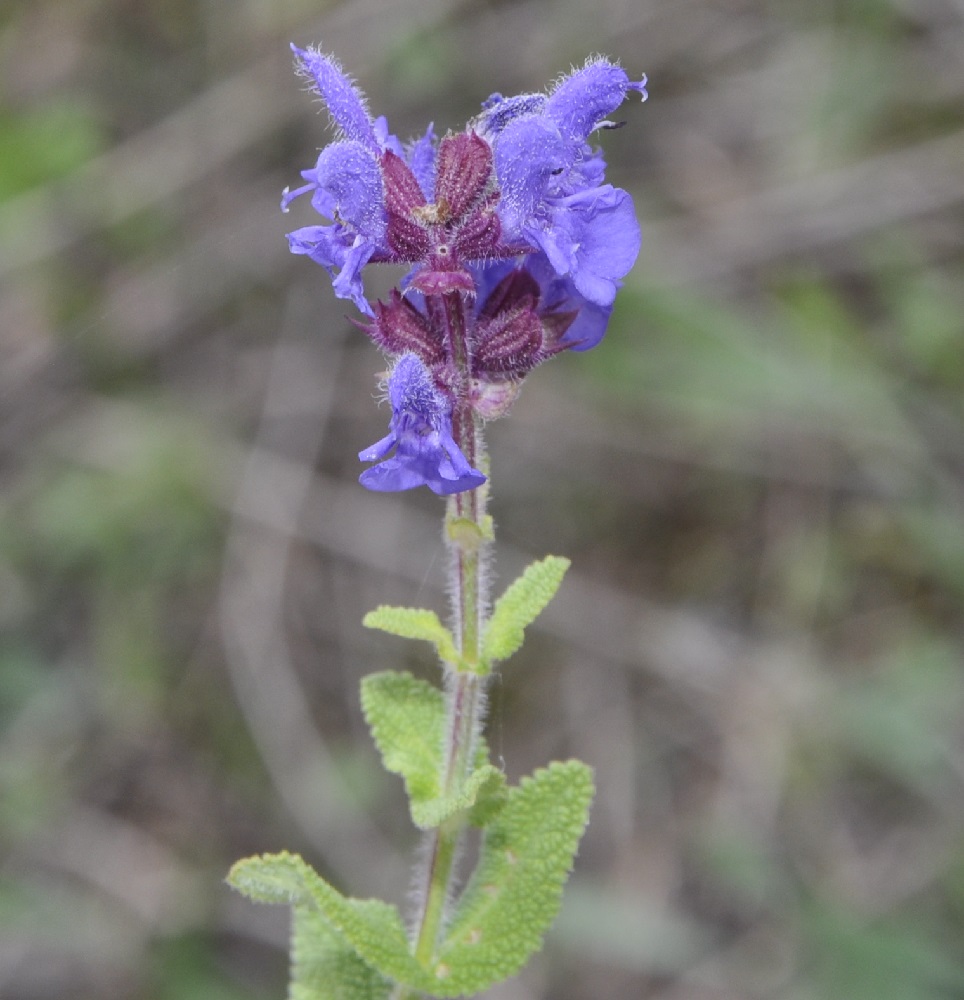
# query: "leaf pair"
[[348, 949], [407, 716], [516, 609]]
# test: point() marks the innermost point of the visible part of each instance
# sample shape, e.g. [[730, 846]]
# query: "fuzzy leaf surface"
[[324, 967], [514, 894], [483, 793], [414, 623], [369, 927], [407, 720], [490, 799], [519, 607]]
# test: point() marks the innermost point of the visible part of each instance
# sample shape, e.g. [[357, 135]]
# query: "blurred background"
[[759, 477]]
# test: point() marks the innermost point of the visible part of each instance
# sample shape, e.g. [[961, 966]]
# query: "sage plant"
[[515, 247]]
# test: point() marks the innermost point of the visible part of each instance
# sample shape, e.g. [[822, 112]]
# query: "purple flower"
[[523, 178], [420, 431], [345, 184], [553, 197], [345, 102], [432, 205], [516, 246]]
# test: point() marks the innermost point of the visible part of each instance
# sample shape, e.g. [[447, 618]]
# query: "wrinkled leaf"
[[484, 794], [324, 967], [515, 892], [407, 720], [519, 606], [414, 623], [369, 927]]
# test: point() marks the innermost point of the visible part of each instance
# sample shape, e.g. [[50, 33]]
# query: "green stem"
[[467, 536]]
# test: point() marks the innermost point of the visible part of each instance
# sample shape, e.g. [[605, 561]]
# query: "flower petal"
[[421, 158], [346, 103], [349, 173], [421, 431], [387, 141], [378, 450], [527, 154], [581, 100], [333, 247], [498, 111], [323, 244], [593, 237], [348, 284]]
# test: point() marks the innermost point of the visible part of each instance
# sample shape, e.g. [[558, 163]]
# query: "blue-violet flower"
[[546, 189], [552, 195], [420, 432], [515, 244]]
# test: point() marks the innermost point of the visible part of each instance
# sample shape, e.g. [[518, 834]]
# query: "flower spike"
[[514, 242]]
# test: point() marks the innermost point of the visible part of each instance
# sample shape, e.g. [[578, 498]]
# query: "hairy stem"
[[468, 537]]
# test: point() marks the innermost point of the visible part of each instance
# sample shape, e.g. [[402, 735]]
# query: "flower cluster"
[[515, 244]]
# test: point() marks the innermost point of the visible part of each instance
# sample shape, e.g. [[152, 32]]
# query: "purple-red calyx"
[[515, 245]]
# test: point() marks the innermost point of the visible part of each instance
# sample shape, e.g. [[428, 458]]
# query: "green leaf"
[[324, 967], [515, 892], [414, 623], [407, 720], [484, 794], [369, 927], [519, 606], [491, 797], [270, 878]]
